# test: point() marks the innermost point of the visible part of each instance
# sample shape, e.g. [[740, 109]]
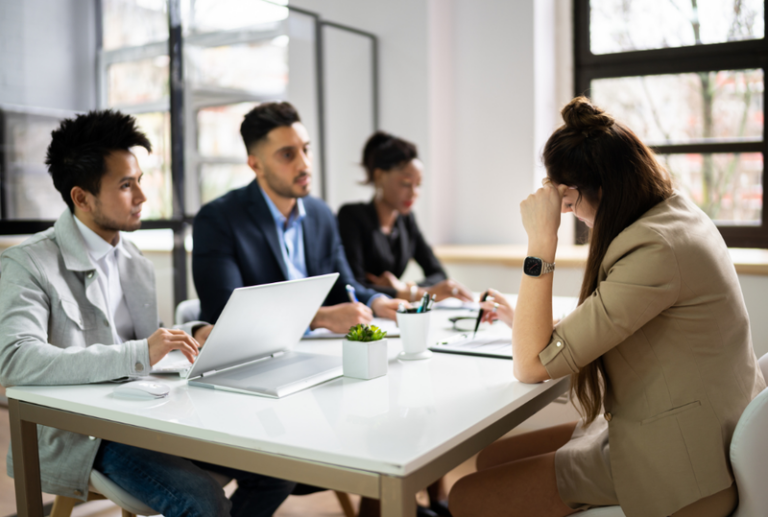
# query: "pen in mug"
[[351, 293], [423, 304], [431, 302]]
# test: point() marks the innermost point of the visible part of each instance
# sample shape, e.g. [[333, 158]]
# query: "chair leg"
[[346, 503], [63, 506]]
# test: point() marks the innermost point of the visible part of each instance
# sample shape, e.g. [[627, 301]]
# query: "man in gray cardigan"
[[78, 305]]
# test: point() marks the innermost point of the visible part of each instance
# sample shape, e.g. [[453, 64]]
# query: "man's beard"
[[110, 224], [282, 189]]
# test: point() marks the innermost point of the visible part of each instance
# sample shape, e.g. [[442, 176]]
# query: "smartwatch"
[[534, 266]]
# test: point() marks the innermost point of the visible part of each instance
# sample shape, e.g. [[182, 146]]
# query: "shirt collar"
[[297, 215], [98, 248]]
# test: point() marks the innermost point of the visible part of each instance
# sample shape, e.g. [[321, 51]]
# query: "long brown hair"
[[615, 172]]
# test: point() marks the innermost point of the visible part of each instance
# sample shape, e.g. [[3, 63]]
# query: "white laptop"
[[250, 349]]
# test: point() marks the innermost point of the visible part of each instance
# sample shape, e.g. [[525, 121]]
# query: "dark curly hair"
[[79, 147], [384, 151], [264, 118]]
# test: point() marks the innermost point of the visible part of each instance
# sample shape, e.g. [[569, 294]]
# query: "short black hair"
[[79, 146], [384, 151], [264, 118]]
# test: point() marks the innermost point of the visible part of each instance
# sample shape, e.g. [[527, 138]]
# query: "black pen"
[[480, 315]]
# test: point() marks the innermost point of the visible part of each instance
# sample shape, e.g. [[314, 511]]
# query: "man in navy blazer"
[[271, 230]]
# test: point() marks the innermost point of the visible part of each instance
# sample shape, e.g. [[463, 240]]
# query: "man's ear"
[[81, 198], [254, 163]]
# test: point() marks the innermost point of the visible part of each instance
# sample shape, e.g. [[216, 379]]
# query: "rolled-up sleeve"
[[639, 284]]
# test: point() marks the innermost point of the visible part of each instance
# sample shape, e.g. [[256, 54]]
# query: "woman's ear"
[[378, 175]]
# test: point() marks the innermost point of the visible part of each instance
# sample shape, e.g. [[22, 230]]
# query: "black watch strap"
[[534, 266]]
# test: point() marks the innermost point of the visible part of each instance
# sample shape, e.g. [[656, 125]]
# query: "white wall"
[[47, 53], [477, 85], [401, 26]]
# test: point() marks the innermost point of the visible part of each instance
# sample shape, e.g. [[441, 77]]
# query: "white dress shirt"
[[104, 257]]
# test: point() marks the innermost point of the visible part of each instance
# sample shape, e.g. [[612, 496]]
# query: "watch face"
[[532, 266]]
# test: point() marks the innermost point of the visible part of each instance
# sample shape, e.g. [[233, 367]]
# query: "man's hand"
[[202, 333], [163, 341], [338, 318], [387, 307]]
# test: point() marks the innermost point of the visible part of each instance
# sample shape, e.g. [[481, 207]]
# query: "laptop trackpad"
[[277, 376]]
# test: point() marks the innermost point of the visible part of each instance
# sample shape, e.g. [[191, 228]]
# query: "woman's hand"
[[496, 307], [541, 214], [448, 288], [386, 279]]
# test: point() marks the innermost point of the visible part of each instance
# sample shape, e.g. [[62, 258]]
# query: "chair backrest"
[[749, 454], [763, 363], [186, 311]]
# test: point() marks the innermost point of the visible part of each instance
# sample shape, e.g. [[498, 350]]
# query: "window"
[[688, 77]]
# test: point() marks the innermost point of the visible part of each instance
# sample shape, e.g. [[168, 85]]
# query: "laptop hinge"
[[208, 373], [278, 354]]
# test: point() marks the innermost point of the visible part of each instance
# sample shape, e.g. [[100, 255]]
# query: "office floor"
[[321, 504]]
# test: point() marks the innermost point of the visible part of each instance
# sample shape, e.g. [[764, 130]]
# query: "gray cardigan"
[[55, 331]]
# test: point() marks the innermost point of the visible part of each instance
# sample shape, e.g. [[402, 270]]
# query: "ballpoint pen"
[[423, 304], [480, 315], [351, 293]]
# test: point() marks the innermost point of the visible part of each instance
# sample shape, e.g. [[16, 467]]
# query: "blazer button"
[[91, 437], [559, 344], [139, 367], [90, 274], [608, 417], [78, 492]]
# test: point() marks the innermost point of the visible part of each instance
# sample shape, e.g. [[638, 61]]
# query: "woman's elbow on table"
[[530, 372]]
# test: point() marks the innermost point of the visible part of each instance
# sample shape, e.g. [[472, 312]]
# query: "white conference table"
[[386, 438]]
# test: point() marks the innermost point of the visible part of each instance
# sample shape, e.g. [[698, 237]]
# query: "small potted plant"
[[364, 353]]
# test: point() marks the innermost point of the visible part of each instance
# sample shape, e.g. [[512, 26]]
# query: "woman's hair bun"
[[583, 116], [385, 151]]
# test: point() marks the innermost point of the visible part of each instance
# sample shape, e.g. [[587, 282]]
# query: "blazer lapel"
[[311, 234], [138, 283], [75, 255], [262, 218], [405, 248]]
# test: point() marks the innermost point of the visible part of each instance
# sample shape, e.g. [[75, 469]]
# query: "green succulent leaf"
[[362, 332]]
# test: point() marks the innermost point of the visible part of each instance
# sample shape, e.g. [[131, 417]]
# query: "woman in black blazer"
[[380, 237]]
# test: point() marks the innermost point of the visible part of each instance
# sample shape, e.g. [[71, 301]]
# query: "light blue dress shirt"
[[291, 236]]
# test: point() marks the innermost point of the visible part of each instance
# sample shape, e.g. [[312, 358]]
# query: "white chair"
[[188, 310], [749, 458]]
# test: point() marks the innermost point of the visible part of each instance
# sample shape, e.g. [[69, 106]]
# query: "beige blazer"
[[669, 322]]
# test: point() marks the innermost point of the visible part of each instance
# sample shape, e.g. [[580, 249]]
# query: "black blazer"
[[236, 245], [369, 251]]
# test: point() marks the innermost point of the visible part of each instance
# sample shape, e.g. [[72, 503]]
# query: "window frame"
[[738, 55]]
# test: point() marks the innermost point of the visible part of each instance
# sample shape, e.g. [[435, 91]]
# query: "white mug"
[[414, 334]]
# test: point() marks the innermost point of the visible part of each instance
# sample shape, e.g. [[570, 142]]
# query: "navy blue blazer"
[[236, 245]]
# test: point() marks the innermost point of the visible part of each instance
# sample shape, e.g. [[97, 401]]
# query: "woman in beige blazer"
[[659, 348]]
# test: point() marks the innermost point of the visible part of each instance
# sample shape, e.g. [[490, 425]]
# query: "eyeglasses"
[[463, 323]]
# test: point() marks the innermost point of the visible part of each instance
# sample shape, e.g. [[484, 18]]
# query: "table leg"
[[397, 499], [26, 464]]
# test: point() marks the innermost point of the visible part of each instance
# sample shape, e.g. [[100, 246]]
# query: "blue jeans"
[[179, 487]]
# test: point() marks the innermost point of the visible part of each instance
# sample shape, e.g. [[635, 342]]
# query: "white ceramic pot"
[[364, 359]]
